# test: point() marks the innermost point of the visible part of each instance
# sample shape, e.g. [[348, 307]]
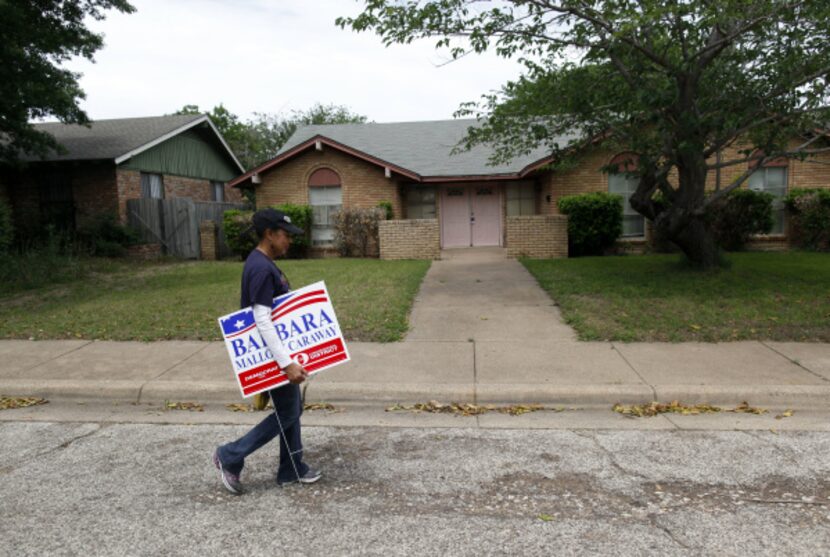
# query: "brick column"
[[207, 239]]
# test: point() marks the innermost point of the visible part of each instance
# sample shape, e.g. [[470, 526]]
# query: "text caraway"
[[306, 324]]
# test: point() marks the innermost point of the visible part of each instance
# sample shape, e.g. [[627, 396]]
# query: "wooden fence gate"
[[174, 223]]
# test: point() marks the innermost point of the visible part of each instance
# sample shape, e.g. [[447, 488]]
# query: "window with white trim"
[[633, 222], [773, 180], [326, 198], [521, 199], [625, 184], [152, 185], [420, 203]]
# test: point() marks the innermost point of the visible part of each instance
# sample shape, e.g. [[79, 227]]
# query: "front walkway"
[[477, 294]]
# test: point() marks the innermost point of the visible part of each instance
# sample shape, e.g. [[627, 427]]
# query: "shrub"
[[300, 215], [104, 236], [6, 227], [739, 215], [356, 232], [386, 206], [594, 221], [241, 238], [810, 213]]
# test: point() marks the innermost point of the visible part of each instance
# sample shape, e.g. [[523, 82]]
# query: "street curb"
[[784, 396]]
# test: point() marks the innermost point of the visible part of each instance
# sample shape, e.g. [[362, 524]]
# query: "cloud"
[[261, 56]]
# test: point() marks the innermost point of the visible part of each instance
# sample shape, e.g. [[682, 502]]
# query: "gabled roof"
[[122, 138], [420, 151]]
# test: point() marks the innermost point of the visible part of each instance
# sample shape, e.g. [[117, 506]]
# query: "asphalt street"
[[119, 488]]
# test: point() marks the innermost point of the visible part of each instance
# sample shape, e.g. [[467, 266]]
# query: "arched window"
[[325, 197], [624, 184], [771, 178]]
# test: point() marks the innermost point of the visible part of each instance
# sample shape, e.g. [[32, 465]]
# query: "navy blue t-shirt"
[[262, 281]]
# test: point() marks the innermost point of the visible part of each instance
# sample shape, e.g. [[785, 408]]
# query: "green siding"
[[187, 154]]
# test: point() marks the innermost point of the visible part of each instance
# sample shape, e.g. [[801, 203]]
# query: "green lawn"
[[176, 300], [775, 296]]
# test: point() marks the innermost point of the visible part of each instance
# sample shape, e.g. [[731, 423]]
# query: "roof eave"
[[311, 142]]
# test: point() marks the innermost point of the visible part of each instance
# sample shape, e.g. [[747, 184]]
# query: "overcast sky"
[[271, 56]]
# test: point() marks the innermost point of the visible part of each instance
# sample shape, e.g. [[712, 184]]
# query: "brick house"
[[112, 161], [443, 201]]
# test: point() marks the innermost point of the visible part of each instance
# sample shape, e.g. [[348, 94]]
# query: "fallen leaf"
[[545, 517], [189, 406], [784, 414], [745, 408], [695, 327], [469, 409], [10, 402], [320, 406], [654, 408], [239, 407]]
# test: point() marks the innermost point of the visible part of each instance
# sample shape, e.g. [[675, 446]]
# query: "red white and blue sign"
[[307, 326]]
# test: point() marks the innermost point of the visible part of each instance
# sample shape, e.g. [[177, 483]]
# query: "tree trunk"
[[680, 223], [697, 241]]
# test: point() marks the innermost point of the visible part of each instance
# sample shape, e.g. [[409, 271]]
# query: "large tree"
[[678, 82], [36, 37], [258, 139]]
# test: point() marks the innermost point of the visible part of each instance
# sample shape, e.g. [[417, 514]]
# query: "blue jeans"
[[289, 406]]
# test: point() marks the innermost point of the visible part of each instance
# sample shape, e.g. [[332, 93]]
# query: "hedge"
[[594, 221], [241, 240], [809, 210]]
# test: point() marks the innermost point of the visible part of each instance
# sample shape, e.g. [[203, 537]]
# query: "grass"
[[181, 300], [760, 296]]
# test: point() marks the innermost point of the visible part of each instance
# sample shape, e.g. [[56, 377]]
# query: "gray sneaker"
[[230, 481], [311, 475]]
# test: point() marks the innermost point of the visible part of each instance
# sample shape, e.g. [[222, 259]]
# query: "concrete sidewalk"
[[481, 331]]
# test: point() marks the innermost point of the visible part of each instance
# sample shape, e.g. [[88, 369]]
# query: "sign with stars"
[[305, 322]]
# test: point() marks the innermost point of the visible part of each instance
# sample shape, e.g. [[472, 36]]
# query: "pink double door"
[[470, 216]]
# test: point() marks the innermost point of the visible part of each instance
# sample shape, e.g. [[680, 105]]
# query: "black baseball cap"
[[270, 218]]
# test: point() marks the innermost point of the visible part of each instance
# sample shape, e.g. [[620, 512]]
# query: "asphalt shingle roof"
[[109, 139], [422, 147]]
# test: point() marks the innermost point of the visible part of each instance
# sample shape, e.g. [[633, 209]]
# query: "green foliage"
[[674, 82], [809, 210], [386, 206], [241, 237], [103, 235], [36, 38], [258, 140], [740, 215], [114, 299], [6, 227], [655, 298], [594, 221], [300, 215], [356, 232], [239, 233]]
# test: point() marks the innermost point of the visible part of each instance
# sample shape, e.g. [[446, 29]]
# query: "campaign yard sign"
[[306, 324]]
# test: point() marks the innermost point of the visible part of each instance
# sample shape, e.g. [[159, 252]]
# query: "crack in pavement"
[[652, 518], [66, 444], [795, 362], [617, 466]]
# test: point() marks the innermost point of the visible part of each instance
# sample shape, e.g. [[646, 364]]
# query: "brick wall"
[[94, 190], [363, 184], [207, 240], [409, 239], [538, 236], [144, 251], [128, 184]]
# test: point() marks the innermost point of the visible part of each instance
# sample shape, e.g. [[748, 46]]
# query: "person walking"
[[262, 281]]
